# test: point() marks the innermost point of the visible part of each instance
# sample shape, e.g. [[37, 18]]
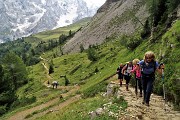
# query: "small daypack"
[[126, 73], [143, 66]]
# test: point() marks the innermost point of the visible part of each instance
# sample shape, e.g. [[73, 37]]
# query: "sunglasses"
[[148, 57]]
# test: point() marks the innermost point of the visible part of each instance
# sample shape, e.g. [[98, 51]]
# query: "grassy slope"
[[54, 34]]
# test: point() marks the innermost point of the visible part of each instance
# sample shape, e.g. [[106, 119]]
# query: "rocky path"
[[157, 110]]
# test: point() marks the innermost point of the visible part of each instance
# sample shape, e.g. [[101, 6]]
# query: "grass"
[[54, 34]]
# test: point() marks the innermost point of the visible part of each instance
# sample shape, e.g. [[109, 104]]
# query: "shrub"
[[92, 54], [2, 109], [133, 42], [23, 102]]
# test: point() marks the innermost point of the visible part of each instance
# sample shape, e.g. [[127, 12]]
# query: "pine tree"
[[15, 70]]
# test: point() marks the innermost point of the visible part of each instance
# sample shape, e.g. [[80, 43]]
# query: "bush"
[[133, 42], [92, 54], [23, 102], [2, 109], [146, 30], [34, 60], [51, 69]]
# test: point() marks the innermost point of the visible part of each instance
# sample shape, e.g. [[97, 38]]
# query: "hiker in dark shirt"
[[120, 75]]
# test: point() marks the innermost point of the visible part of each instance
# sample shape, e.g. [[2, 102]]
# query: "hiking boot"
[[147, 104], [120, 84], [140, 95], [127, 88]]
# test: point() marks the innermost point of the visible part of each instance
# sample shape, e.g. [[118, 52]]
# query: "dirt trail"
[[21, 115], [157, 110], [56, 108], [71, 90]]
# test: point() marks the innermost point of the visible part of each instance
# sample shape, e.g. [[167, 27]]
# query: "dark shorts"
[[127, 78], [120, 76]]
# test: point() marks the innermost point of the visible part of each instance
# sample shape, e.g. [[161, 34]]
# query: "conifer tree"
[[15, 70]]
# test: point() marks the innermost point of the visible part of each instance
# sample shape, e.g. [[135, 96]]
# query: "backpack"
[[128, 74], [144, 66]]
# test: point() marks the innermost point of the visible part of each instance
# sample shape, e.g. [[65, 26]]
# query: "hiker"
[[126, 71], [120, 75], [148, 68], [55, 84], [137, 71]]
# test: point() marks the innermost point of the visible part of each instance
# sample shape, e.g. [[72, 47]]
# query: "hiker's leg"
[[127, 82], [120, 79], [149, 89], [144, 85], [136, 82], [140, 86], [126, 78], [120, 82]]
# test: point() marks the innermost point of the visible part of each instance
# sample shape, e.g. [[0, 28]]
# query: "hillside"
[[114, 18], [91, 70]]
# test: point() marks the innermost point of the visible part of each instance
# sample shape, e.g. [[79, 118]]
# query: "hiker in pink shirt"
[[137, 71]]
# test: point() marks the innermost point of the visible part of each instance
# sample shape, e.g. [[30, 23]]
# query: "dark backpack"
[[144, 66]]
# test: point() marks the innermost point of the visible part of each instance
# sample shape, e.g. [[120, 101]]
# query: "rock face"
[[24, 17], [115, 17]]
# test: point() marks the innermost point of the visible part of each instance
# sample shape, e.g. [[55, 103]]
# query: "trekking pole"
[[164, 94]]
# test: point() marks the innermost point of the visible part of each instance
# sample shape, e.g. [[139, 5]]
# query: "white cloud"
[[96, 2]]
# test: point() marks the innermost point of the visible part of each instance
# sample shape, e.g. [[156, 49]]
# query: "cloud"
[[96, 2]]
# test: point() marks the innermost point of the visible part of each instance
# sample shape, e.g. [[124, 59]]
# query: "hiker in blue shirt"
[[148, 68]]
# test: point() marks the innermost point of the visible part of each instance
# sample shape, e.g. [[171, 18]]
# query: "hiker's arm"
[[122, 71], [117, 71], [134, 69]]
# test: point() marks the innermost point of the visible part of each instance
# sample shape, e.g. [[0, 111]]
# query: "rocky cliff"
[[115, 17]]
